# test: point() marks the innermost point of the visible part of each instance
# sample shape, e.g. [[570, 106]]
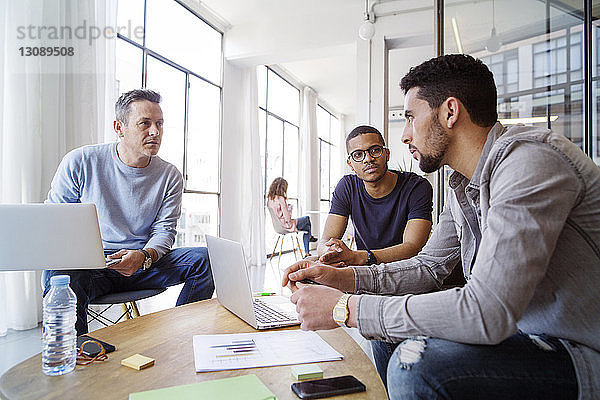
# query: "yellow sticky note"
[[138, 361]]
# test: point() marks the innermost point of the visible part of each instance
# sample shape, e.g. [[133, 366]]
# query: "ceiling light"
[[493, 43], [527, 120], [366, 30]]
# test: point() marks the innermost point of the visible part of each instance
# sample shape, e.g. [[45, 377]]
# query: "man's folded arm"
[[335, 226]]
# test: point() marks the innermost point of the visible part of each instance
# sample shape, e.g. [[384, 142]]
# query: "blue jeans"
[[303, 224], [187, 264], [517, 368]]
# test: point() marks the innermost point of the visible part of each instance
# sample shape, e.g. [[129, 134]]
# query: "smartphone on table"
[[320, 388]]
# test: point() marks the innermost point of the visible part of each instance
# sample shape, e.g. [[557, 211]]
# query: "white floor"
[[17, 346]]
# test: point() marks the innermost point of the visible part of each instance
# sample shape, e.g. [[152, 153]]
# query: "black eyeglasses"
[[374, 151]]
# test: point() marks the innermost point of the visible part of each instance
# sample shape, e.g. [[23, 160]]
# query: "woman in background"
[[276, 201]]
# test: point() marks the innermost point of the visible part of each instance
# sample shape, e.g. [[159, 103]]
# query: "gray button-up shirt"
[[527, 229]]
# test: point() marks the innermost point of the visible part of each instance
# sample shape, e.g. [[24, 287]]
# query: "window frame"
[[146, 52], [284, 121], [331, 147]]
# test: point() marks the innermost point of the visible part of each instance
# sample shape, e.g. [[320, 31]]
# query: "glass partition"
[[536, 56], [595, 107]]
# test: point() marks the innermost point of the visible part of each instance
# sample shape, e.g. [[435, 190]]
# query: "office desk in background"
[[167, 337]]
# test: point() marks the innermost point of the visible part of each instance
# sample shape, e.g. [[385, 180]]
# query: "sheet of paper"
[[260, 349]]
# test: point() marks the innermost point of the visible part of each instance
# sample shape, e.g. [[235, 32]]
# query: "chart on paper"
[[236, 351], [262, 349]]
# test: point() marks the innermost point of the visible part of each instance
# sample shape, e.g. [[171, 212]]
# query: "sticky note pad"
[[307, 371], [138, 361]]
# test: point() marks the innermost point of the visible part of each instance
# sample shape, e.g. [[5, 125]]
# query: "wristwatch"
[[372, 259], [340, 311], [148, 261]]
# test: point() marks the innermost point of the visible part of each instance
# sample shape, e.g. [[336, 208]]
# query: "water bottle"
[[60, 339]]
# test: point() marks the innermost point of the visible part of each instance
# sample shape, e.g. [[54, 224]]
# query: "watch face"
[[339, 314]]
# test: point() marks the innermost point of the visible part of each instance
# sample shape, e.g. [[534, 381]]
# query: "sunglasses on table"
[[374, 151]]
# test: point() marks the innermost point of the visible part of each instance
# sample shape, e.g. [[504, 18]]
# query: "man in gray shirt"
[[523, 216], [138, 198]]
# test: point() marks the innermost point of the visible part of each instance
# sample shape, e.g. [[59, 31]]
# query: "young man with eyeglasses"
[[390, 210]]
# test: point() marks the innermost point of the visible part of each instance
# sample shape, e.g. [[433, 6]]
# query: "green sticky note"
[[306, 371], [239, 387]]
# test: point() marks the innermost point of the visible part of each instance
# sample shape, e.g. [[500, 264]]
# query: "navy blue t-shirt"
[[380, 223]]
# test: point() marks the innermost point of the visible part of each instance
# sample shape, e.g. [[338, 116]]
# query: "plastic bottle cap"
[[60, 280]]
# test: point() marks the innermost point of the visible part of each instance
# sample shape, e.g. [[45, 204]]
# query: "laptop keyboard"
[[266, 314]]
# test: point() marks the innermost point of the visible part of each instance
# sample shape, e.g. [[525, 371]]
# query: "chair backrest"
[[277, 224]]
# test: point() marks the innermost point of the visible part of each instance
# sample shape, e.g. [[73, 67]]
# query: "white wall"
[[231, 153], [371, 92]]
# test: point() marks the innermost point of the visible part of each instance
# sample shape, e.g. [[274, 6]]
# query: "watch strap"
[[371, 259], [340, 311], [147, 260]]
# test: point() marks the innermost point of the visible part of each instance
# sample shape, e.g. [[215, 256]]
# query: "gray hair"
[[123, 105]]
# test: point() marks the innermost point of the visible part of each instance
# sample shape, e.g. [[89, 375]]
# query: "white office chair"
[[282, 233]]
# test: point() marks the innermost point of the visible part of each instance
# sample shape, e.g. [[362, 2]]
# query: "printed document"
[[260, 349]]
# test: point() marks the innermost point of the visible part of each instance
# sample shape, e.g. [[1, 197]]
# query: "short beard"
[[438, 142]]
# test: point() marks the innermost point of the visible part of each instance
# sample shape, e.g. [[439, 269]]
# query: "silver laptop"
[[50, 236], [230, 274]]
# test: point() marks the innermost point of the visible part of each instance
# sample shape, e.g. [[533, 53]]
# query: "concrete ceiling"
[[314, 40], [333, 78]]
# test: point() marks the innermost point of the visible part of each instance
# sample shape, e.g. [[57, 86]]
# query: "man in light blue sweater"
[[138, 198]]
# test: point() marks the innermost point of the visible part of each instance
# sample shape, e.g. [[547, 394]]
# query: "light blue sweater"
[[137, 207]]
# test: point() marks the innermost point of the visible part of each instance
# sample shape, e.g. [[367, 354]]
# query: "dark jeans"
[[187, 264], [517, 368], [303, 224]]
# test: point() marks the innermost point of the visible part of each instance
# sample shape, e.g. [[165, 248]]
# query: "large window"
[[156, 54], [328, 129], [278, 116]]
